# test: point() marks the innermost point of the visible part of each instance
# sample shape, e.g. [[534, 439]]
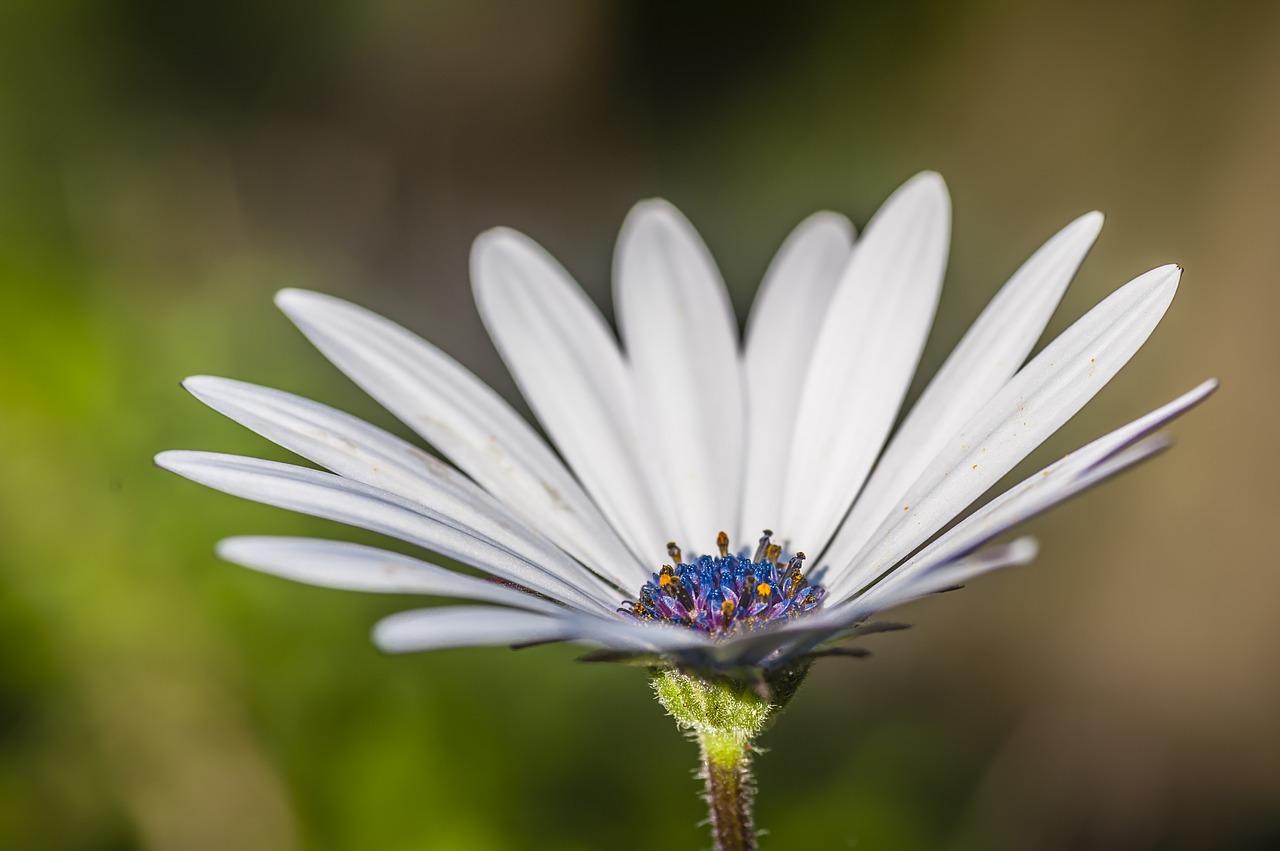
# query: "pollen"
[[720, 596]]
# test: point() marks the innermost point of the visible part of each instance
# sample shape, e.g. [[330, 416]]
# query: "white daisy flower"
[[640, 533]]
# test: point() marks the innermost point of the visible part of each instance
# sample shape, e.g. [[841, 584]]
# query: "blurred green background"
[[165, 167]]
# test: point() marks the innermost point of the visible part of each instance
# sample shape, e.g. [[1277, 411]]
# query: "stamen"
[[794, 574], [764, 545], [673, 551], [773, 554], [722, 543]]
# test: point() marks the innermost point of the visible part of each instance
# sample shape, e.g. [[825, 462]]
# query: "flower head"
[[680, 434]]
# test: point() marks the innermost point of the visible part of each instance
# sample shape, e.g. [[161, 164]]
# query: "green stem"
[[726, 767]]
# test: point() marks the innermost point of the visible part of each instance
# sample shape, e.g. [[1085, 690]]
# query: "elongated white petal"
[[682, 340], [335, 498], [781, 330], [1066, 477], [988, 355], [913, 585], [864, 358], [353, 567], [567, 363], [459, 415], [357, 450], [1031, 406], [458, 626], [1027, 504], [465, 626]]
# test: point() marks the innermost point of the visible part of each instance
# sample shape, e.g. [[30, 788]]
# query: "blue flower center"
[[725, 595]]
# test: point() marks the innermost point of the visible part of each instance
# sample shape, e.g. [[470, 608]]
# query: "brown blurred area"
[[164, 168]]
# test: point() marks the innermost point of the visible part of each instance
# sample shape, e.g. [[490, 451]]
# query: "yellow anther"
[[722, 542], [773, 552], [726, 608], [763, 589]]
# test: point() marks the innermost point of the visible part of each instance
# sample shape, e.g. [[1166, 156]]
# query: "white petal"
[[335, 498], [892, 593], [988, 355], [357, 450], [567, 363], [457, 626], [781, 330], [352, 567], [1047, 392], [1065, 478], [459, 415], [864, 358], [465, 626], [681, 338]]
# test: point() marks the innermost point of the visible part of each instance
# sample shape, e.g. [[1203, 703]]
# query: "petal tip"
[[657, 213], [1091, 222], [830, 221], [170, 459], [929, 184], [388, 634], [290, 296], [495, 239], [295, 302], [1023, 551], [922, 201], [249, 550], [200, 385]]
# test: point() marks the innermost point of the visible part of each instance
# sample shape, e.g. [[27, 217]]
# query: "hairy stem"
[[726, 767]]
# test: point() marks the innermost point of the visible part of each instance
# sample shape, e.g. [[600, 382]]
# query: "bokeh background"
[[165, 167]]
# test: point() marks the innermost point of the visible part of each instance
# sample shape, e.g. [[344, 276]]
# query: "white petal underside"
[[945, 576], [463, 626], [682, 344], [863, 359], [1042, 396], [459, 415], [333, 497], [780, 335], [364, 453], [988, 355], [567, 363], [353, 567]]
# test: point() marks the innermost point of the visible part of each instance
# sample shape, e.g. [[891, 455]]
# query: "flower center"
[[724, 595]]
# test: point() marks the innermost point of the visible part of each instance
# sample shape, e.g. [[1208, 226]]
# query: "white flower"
[[682, 433]]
